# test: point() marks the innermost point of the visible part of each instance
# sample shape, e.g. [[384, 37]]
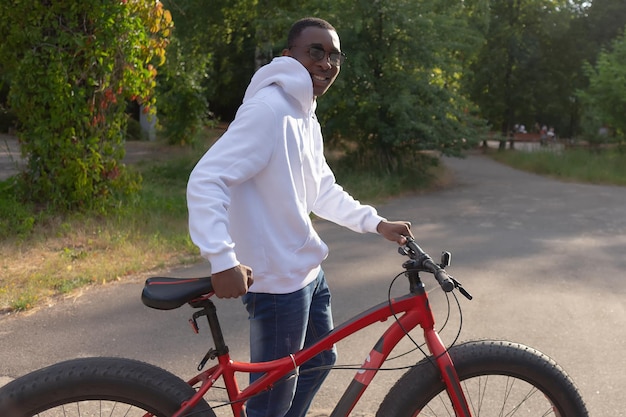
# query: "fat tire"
[[418, 386], [121, 380]]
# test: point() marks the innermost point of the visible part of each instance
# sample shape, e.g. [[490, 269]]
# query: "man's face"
[[323, 73]]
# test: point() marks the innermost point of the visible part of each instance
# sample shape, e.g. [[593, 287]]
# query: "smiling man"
[[310, 46], [250, 198]]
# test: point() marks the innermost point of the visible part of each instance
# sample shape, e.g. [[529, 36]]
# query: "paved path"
[[136, 151], [544, 260], [10, 158]]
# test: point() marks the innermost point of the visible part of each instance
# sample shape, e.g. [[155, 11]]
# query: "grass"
[[372, 187], [60, 254], [606, 166], [47, 256]]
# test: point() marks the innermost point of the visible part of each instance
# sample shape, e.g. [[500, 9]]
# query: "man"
[[250, 199]]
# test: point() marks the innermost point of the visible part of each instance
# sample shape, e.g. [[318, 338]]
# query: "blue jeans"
[[281, 324]]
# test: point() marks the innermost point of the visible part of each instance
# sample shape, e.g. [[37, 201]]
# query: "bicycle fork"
[[448, 373], [438, 349], [420, 315]]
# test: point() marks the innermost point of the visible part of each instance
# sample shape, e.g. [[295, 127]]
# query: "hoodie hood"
[[290, 75]]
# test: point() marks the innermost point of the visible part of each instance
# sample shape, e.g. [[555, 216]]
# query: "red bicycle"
[[478, 378]]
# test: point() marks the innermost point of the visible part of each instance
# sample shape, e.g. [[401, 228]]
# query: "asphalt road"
[[544, 260]]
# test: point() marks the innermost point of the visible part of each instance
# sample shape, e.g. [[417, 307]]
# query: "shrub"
[[73, 66]]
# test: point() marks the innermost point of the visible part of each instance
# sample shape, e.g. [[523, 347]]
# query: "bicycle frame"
[[415, 311]]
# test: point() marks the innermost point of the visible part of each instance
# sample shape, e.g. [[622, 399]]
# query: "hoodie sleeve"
[[237, 156], [336, 205]]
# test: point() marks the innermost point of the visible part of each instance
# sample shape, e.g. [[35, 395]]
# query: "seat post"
[[210, 311], [216, 330]]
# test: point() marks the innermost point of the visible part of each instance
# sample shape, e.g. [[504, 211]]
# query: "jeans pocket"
[[249, 300]]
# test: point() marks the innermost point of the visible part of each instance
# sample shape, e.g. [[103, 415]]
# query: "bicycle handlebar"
[[422, 261]]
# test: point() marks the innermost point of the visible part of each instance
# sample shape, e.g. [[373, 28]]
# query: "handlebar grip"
[[444, 280], [441, 275]]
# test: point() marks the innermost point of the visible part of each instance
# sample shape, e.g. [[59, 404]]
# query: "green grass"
[[374, 187], [607, 166], [47, 255]]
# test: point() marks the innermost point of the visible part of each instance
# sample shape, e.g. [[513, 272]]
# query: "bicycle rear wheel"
[[498, 378], [93, 387]]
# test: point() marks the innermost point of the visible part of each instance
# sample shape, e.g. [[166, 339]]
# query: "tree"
[[604, 101], [214, 52], [602, 21], [399, 91], [593, 27], [73, 66], [398, 94], [519, 76]]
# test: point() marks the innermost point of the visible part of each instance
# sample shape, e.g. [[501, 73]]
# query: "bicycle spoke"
[[96, 408], [494, 396]]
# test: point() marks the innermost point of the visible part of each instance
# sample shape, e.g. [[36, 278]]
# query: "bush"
[[73, 66], [16, 218]]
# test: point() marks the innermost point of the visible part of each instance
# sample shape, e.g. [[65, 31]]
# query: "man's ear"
[[286, 52]]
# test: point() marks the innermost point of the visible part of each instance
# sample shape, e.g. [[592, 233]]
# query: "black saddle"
[[165, 293]]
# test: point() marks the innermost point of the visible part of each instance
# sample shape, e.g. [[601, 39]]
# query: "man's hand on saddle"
[[233, 282]]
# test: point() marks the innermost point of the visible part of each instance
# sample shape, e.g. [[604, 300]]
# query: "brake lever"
[[462, 290], [405, 251]]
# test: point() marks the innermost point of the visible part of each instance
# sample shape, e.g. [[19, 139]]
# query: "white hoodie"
[[251, 194]]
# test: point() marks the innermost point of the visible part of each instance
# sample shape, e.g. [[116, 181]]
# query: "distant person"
[[603, 131], [543, 135]]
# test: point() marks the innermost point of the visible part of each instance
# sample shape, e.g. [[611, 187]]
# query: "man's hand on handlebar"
[[232, 282], [395, 231]]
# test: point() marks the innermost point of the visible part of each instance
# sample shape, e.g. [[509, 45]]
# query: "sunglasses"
[[317, 53]]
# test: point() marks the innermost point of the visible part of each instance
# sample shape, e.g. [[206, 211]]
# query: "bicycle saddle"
[[165, 293]]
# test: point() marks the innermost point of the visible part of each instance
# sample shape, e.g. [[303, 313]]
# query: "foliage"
[[218, 48], [397, 97], [415, 105], [183, 106], [531, 63], [424, 172], [518, 74], [72, 66], [16, 218], [605, 98], [598, 26], [578, 164], [420, 74]]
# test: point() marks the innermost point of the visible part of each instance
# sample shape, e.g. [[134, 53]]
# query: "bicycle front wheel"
[[95, 387], [498, 379]]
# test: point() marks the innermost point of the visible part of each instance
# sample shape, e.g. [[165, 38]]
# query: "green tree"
[[604, 101], [399, 92], [192, 86], [519, 74], [594, 25], [73, 66], [214, 53], [601, 23]]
